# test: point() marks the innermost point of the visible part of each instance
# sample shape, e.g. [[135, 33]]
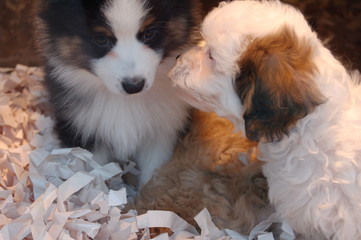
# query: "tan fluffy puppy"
[[205, 172]]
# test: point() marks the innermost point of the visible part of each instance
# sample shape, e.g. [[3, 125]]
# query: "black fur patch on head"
[[71, 28], [170, 25], [77, 31], [275, 85], [101, 39]]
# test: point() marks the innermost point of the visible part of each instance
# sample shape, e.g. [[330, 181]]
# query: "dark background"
[[338, 23]]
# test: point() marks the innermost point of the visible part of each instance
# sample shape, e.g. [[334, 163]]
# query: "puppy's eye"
[[210, 55], [101, 40], [149, 34]]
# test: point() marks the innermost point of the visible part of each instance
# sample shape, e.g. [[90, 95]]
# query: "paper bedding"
[[52, 193]]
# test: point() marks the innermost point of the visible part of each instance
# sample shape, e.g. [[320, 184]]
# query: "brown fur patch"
[[104, 30], [223, 153], [70, 50], [178, 30], [147, 22], [178, 27], [205, 172], [275, 84]]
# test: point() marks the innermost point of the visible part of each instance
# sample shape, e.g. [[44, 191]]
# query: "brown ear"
[[276, 85]]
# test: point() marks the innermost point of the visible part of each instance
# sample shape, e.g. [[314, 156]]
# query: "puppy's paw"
[[259, 188], [257, 185]]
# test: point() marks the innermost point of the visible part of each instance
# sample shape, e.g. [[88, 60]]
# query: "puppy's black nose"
[[133, 85], [177, 57]]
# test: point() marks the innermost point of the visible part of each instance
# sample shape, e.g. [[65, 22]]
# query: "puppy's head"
[[254, 69], [120, 43]]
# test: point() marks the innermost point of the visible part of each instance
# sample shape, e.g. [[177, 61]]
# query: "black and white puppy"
[[106, 64]]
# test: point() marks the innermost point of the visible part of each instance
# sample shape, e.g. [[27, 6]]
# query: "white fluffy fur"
[[314, 173], [147, 129]]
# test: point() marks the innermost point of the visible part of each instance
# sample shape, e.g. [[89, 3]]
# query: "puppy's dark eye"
[[210, 55], [149, 34], [101, 40]]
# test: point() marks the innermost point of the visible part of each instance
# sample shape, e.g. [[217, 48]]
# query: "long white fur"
[[314, 174]]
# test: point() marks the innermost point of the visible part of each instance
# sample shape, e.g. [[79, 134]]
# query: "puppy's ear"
[[276, 85]]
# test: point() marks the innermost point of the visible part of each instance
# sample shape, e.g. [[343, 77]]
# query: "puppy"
[[205, 172], [264, 68], [106, 64]]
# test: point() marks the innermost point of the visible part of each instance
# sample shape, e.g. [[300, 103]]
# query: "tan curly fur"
[[205, 172]]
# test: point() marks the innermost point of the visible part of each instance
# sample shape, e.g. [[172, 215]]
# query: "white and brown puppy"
[[264, 68]]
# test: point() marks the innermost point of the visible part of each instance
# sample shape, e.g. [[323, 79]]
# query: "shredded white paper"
[[52, 193]]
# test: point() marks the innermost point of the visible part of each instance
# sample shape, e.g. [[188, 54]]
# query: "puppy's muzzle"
[[133, 85]]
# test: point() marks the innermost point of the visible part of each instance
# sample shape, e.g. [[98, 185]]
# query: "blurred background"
[[338, 23]]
